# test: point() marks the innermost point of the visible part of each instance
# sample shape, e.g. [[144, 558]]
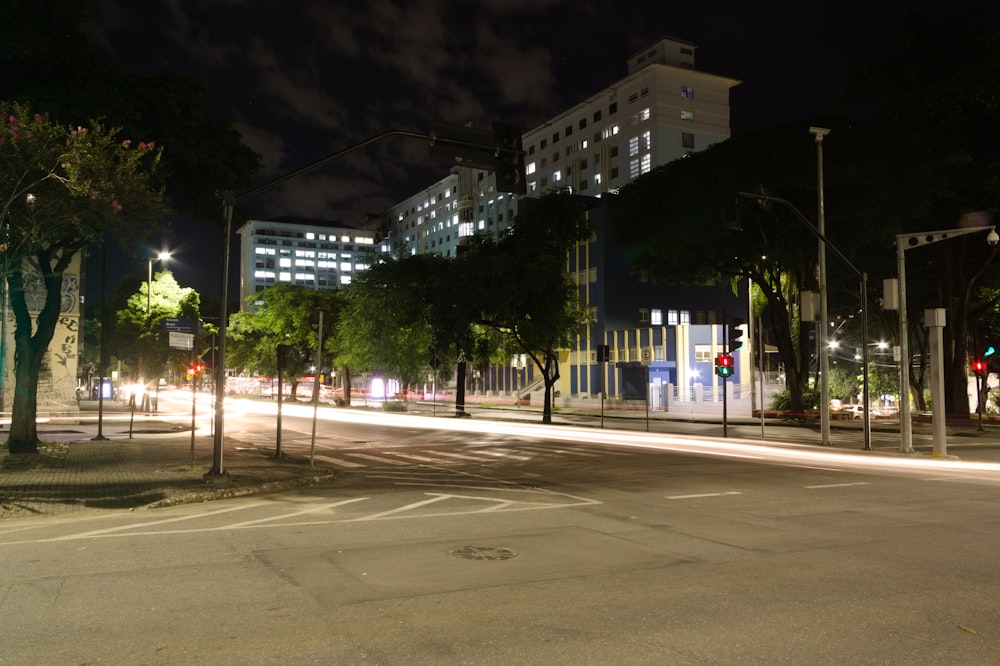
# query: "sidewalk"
[[73, 471]]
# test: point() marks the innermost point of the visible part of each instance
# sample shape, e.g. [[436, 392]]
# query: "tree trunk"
[[29, 349]]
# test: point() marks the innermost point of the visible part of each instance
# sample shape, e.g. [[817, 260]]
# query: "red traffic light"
[[724, 365], [979, 366]]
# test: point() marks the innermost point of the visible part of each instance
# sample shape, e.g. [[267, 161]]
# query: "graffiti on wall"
[[34, 292]]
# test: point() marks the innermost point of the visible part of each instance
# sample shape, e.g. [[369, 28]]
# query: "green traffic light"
[[989, 351]]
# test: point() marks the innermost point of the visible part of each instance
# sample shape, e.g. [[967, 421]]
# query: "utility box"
[[890, 294]]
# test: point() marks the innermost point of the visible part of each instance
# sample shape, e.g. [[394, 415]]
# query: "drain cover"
[[484, 553]]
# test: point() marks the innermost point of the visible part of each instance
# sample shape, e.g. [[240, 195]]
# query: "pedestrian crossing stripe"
[[388, 461], [338, 461]]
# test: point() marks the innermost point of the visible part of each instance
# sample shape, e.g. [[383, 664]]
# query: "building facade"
[[661, 111], [312, 253]]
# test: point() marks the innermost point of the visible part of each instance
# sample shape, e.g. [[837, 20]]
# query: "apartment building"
[[312, 253], [661, 111]]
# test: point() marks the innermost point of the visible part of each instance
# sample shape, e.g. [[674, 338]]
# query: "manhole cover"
[[484, 553]]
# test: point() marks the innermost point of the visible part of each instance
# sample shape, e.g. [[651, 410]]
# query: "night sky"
[[304, 79]]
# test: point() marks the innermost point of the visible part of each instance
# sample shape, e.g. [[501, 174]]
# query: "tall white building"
[[313, 253], [661, 111]]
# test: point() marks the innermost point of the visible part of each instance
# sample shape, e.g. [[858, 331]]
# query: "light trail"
[[767, 452]]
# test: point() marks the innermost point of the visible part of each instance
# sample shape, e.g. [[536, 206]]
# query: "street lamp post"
[[905, 242], [821, 347], [162, 256]]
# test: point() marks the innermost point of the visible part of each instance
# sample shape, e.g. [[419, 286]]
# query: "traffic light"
[[508, 162], [735, 333], [990, 350], [724, 365], [979, 367]]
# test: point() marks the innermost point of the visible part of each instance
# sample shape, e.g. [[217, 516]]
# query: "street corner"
[[251, 470]]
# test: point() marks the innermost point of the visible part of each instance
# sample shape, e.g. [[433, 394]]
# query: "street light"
[[824, 317], [905, 242], [162, 256], [863, 276]]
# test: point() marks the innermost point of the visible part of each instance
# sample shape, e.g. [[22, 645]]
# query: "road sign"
[[180, 324], [646, 355], [178, 340]]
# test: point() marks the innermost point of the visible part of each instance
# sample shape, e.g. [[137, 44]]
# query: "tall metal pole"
[[905, 426], [319, 368], [822, 348], [903, 243], [229, 200]]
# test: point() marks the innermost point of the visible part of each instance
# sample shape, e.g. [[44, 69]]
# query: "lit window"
[[285, 276], [310, 235], [685, 316], [530, 169], [285, 262], [647, 163], [556, 176], [345, 266], [672, 318], [633, 146], [647, 140], [656, 317], [644, 114], [703, 353], [687, 92], [610, 131], [687, 115], [346, 279], [633, 168]]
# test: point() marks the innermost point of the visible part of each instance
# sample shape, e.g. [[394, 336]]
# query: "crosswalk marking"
[[388, 461], [338, 461], [460, 456], [414, 456], [470, 453]]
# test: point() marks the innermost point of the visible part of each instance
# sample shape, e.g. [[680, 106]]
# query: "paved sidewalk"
[[72, 472]]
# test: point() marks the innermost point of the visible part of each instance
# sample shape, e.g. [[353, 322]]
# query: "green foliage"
[[281, 315], [401, 311], [519, 287], [61, 189], [393, 406], [139, 333], [782, 401]]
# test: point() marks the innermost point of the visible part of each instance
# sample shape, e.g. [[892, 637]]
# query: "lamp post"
[[863, 276], [821, 347], [162, 256], [906, 242]]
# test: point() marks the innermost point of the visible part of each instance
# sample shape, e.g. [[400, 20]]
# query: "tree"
[[401, 313], [281, 315], [941, 91], [139, 334], [61, 189], [519, 287]]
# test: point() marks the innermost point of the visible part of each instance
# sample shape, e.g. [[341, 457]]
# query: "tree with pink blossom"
[[62, 189]]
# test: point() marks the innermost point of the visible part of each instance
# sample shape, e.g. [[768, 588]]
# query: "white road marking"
[[338, 461], [461, 456], [414, 456], [388, 461], [722, 494], [839, 485]]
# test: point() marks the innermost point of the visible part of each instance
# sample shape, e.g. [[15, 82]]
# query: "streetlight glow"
[[162, 257]]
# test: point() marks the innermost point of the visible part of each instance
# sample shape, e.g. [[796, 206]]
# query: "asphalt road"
[[506, 545]]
